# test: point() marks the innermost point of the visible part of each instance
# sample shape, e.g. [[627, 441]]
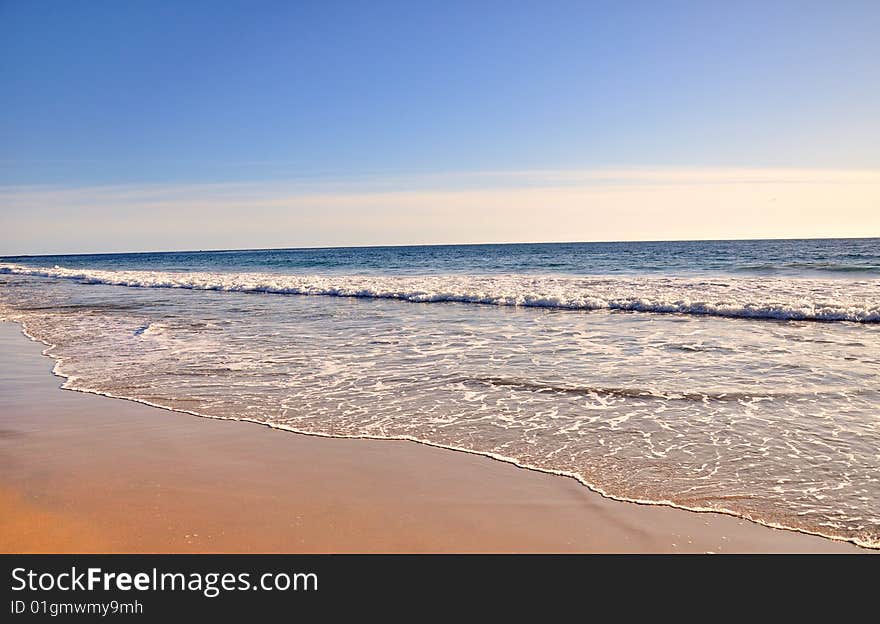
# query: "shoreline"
[[122, 476], [58, 361]]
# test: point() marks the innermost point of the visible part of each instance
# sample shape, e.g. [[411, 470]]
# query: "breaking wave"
[[800, 299]]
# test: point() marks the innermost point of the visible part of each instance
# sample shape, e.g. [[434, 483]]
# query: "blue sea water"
[[809, 257], [734, 376]]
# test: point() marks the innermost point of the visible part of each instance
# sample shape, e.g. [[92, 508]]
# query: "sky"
[[201, 125]]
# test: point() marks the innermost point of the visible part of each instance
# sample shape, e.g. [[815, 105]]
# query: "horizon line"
[[409, 245]]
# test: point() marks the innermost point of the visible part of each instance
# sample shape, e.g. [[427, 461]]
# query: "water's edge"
[[70, 380]]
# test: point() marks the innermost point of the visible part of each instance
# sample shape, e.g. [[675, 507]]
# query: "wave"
[[641, 393], [819, 267], [798, 299]]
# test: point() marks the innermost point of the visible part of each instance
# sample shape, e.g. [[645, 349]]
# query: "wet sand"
[[85, 473]]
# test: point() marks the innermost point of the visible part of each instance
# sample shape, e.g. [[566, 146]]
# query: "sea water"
[[733, 376]]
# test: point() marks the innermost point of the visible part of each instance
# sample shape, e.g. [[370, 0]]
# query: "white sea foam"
[[734, 297], [775, 422]]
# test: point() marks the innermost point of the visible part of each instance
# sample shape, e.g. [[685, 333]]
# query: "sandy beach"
[[85, 473]]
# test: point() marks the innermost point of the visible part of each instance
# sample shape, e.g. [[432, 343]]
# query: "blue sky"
[[99, 94]]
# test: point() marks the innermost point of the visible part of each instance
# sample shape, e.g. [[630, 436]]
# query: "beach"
[[86, 473]]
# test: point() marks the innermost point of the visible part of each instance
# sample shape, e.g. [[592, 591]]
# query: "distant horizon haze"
[[406, 245], [630, 204]]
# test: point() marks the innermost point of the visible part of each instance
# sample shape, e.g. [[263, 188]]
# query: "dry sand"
[[85, 473]]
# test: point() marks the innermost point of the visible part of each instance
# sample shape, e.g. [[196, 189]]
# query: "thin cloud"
[[547, 205]]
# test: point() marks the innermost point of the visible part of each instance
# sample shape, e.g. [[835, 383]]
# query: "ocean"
[[741, 377]]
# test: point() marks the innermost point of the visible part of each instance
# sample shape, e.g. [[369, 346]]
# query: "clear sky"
[[175, 125]]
